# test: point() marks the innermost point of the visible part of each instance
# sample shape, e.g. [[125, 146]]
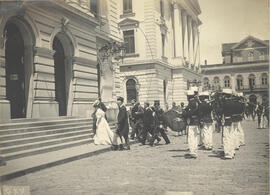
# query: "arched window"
[[227, 82], [206, 83], [216, 83], [131, 90], [251, 81], [239, 80], [264, 79]]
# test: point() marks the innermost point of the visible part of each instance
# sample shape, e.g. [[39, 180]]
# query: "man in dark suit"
[[159, 124], [122, 124], [148, 121]]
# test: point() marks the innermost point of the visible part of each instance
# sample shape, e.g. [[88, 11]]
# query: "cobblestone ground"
[[156, 170]]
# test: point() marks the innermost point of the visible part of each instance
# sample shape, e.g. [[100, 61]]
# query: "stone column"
[[190, 40], [185, 34], [195, 43], [178, 31]]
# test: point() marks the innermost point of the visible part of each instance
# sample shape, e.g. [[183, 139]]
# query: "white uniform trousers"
[[236, 135], [228, 140], [193, 135], [200, 137], [241, 135], [207, 135]]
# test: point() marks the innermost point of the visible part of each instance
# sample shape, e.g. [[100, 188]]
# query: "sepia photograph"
[[134, 97]]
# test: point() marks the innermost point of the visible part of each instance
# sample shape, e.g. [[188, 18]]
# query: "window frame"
[[133, 89], [161, 3], [250, 56], [130, 49], [227, 82], [127, 6], [264, 79], [252, 81], [96, 10], [239, 82]]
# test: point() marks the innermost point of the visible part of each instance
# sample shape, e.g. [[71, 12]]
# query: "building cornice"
[[158, 62], [244, 67], [87, 17]]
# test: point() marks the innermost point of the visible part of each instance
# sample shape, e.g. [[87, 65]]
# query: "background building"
[[245, 69], [49, 57], [163, 52]]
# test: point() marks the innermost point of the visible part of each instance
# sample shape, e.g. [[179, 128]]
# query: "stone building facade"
[[244, 69], [162, 49], [49, 57]]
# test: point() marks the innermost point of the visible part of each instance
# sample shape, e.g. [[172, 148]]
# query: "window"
[[161, 8], [216, 84], [129, 41], [250, 56], [227, 82], [163, 44], [206, 83], [127, 6], [94, 7], [165, 91], [251, 80], [239, 81], [264, 79], [131, 90], [261, 56]]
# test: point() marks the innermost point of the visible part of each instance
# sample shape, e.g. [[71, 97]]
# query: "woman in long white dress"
[[104, 134]]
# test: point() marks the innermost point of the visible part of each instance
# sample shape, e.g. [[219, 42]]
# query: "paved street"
[[157, 170]]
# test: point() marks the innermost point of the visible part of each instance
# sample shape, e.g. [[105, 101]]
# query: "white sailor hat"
[[190, 92], [204, 93], [96, 102], [240, 94], [228, 91], [194, 89]]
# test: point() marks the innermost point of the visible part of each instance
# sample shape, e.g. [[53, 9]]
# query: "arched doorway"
[[15, 71], [60, 76], [64, 52]]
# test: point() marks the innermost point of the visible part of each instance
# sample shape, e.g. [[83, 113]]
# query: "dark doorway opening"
[[15, 71], [60, 76]]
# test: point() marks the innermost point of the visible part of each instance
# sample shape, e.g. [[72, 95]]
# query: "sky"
[[226, 21]]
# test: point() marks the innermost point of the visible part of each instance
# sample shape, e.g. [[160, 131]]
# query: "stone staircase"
[[27, 137]]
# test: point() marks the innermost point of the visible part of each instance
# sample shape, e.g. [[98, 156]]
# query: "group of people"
[[226, 110], [147, 122], [262, 112], [222, 111], [104, 135]]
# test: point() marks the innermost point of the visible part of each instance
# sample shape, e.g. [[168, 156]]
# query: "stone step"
[[22, 120], [42, 138], [50, 148], [44, 133], [43, 128], [16, 148], [58, 121], [33, 163]]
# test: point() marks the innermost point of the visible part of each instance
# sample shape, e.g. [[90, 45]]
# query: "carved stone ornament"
[[64, 23]]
